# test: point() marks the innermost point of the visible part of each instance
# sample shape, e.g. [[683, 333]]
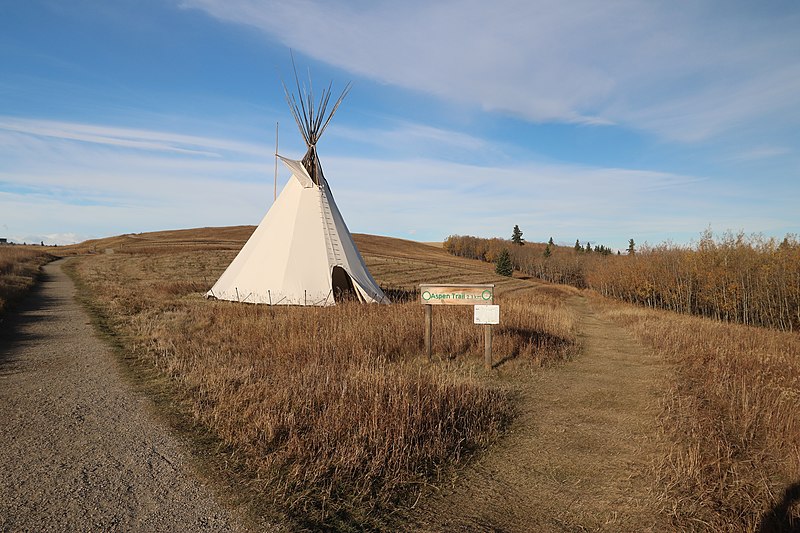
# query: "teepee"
[[302, 252]]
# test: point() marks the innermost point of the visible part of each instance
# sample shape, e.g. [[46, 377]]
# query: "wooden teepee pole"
[[275, 186]]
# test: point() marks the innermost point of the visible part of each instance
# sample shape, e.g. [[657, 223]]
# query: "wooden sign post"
[[475, 295], [428, 328]]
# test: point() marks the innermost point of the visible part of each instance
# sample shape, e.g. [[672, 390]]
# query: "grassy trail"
[[580, 454]]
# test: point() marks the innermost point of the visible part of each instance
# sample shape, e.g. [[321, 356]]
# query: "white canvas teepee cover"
[[300, 254]]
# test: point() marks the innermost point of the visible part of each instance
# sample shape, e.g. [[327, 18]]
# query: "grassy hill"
[[395, 263]]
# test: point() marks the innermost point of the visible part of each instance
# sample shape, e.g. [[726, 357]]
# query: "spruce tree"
[[547, 252], [516, 236], [631, 247], [503, 264], [578, 247], [550, 242]]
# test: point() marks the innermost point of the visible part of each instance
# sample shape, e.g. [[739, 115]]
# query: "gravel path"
[[79, 450]]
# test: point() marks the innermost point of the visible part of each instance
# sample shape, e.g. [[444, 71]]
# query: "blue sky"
[[598, 121]]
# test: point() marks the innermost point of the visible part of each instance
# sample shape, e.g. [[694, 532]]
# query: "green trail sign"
[[480, 296], [456, 294]]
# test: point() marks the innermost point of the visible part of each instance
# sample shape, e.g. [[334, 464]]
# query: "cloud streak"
[[135, 139], [684, 74], [75, 182]]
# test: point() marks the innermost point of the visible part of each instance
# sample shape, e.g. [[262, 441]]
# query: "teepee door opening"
[[343, 289]]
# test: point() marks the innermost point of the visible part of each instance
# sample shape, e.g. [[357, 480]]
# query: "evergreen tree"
[[578, 247], [547, 251], [588, 247], [631, 247], [550, 242], [503, 264], [516, 236]]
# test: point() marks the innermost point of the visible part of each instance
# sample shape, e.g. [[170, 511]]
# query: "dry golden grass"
[[732, 277], [19, 267], [733, 413], [340, 423], [332, 411]]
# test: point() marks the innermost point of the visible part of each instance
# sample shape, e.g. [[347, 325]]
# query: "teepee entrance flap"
[[298, 171]]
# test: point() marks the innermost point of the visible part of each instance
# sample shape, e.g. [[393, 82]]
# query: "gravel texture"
[[79, 449]]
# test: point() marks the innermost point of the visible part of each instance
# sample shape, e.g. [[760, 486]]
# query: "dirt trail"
[[578, 455], [79, 450]]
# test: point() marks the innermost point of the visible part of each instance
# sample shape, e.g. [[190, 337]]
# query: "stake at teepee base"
[[302, 252]]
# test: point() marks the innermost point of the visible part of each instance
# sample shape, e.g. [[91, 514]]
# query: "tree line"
[[747, 279]]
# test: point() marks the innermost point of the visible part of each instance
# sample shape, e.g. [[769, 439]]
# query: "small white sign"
[[487, 314]]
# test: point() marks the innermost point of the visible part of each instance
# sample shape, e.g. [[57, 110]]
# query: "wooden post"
[[275, 190], [487, 338], [428, 328]]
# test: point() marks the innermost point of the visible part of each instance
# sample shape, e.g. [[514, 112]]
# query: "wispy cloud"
[[762, 152], [147, 140], [61, 180], [686, 74], [565, 201], [409, 135], [91, 178], [67, 181]]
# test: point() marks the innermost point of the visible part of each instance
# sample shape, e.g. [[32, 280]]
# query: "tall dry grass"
[[733, 414], [735, 278], [732, 277], [19, 268], [332, 411]]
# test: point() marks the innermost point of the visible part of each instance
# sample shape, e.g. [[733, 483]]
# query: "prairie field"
[[331, 418], [332, 412], [19, 268]]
